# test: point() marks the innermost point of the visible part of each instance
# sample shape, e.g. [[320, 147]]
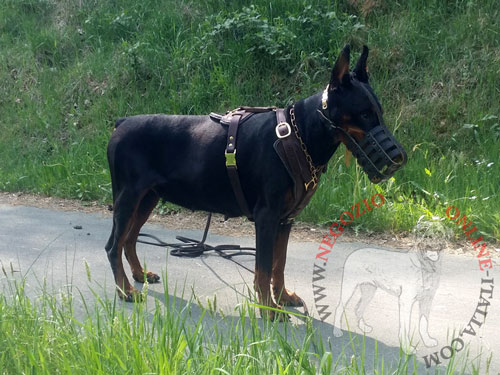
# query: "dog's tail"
[[111, 162]]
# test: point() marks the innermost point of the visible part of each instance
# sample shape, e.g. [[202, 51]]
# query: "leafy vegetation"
[[68, 69]]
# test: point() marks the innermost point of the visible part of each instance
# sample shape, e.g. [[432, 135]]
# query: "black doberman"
[[181, 159]]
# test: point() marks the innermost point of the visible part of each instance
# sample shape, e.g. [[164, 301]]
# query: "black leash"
[[192, 248]]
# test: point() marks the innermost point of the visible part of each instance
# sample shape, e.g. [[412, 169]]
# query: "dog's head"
[[355, 114]]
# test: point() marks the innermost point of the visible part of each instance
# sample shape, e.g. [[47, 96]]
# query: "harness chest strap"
[[293, 157], [292, 154]]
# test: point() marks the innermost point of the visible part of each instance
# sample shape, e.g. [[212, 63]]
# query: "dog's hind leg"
[[346, 292], [141, 215], [282, 295], [111, 239], [367, 293], [114, 189], [124, 208]]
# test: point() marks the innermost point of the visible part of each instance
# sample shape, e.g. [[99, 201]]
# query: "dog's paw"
[[278, 316], [337, 332], [150, 277], [287, 298], [408, 349], [132, 295], [274, 316], [430, 342], [364, 327]]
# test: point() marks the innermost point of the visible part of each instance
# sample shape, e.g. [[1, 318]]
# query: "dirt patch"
[[185, 219]]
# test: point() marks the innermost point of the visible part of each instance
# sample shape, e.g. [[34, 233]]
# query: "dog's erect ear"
[[341, 68], [361, 69]]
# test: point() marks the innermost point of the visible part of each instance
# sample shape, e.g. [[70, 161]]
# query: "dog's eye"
[[365, 115]]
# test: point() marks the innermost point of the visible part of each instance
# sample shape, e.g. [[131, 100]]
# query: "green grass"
[[68, 69], [42, 335]]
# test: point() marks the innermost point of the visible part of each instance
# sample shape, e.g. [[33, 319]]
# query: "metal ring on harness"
[[283, 126]]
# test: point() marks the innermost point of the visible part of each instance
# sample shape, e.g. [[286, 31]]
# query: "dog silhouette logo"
[[412, 276]]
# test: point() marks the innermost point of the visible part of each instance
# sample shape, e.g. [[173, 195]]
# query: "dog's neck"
[[319, 137]]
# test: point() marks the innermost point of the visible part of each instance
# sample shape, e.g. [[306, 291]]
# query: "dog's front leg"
[[266, 228], [406, 301], [424, 305], [282, 295]]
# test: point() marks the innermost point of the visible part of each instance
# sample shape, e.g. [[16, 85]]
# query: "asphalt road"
[[459, 306]]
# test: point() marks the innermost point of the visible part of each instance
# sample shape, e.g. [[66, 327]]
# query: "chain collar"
[[314, 171]]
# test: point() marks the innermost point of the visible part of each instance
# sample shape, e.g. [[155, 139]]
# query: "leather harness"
[[290, 149]]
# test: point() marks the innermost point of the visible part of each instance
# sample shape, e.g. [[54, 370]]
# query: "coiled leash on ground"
[[192, 248]]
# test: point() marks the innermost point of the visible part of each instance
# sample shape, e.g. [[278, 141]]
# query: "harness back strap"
[[232, 169]]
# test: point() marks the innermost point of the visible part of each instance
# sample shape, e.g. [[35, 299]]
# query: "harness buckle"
[[230, 159], [283, 130]]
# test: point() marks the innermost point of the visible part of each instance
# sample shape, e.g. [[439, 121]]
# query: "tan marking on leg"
[[140, 217], [262, 287], [282, 295], [125, 290]]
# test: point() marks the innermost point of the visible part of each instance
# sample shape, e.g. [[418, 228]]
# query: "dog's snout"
[[399, 159]]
